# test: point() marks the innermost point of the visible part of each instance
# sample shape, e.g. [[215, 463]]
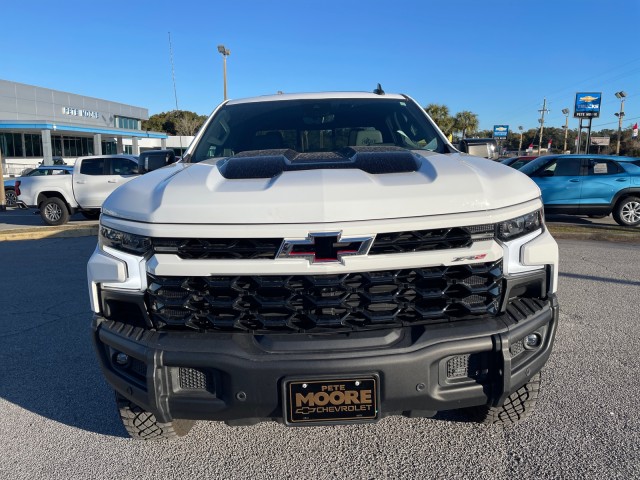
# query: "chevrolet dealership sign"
[[587, 105], [80, 112]]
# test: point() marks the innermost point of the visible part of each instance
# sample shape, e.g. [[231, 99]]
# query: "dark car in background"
[[595, 185]]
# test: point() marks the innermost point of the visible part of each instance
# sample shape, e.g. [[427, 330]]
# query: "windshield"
[[317, 126]]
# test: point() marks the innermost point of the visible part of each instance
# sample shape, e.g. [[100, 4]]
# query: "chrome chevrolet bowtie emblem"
[[324, 247]]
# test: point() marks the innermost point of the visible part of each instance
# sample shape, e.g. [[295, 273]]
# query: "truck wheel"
[[54, 211], [627, 212], [516, 408], [10, 197], [142, 425]]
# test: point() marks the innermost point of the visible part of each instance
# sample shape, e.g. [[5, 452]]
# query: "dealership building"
[[39, 123]]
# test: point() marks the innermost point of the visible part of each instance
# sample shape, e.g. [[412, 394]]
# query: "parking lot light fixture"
[[621, 95], [225, 53]]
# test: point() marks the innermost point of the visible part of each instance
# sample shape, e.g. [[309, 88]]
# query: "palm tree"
[[465, 121], [440, 115]]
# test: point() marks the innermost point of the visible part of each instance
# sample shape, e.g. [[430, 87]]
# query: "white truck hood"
[[199, 193]]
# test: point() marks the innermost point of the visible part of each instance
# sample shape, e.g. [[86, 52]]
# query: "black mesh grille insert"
[[326, 302], [219, 248]]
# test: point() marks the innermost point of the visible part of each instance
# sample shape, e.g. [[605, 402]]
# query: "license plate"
[[331, 400]]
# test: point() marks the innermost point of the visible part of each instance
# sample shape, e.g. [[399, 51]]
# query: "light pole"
[[620, 95], [225, 53], [566, 127], [520, 144]]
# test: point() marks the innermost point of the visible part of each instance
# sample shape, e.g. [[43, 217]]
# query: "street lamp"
[[520, 144], [565, 111], [621, 95], [225, 53]]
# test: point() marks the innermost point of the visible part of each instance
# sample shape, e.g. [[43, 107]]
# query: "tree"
[[440, 115], [466, 121], [175, 122]]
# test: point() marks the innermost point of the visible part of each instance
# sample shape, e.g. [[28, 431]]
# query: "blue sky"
[[497, 58]]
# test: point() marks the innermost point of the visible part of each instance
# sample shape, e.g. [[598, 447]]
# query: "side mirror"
[[545, 173], [155, 159]]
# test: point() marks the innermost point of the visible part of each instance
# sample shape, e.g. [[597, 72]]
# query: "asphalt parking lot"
[[59, 420]]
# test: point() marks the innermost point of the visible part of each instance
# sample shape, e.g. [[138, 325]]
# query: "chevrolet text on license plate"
[[331, 400]]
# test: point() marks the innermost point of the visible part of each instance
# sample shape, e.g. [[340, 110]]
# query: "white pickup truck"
[[323, 259], [58, 195]]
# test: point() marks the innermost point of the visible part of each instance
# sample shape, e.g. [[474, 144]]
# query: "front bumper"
[[237, 377]]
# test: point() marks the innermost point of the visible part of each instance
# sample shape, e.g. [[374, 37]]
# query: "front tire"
[[517, 408], [627, 212], [10, 197], [143, 425], [54, 211]]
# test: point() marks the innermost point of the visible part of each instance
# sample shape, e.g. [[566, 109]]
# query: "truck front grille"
[[307, 303], [267, 248]]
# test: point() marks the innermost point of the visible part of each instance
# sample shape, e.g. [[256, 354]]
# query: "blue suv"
[[589, 185]]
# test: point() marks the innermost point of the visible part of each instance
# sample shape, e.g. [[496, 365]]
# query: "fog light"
[[533, 340], [122, 358]]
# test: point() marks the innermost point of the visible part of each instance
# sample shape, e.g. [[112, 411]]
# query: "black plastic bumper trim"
[[249, 375]]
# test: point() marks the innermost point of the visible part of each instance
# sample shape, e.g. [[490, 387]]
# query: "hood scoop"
[[272, 163]]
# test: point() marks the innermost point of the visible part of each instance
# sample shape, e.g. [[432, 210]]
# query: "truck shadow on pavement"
[[49, 367]]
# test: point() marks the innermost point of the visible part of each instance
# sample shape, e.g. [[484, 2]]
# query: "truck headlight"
[[123, 241], [519, 226]]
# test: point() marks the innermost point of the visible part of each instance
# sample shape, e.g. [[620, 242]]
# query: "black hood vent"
[[271, 163]]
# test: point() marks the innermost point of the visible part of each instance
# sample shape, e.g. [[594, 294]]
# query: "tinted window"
[[560, 167], [36, 173], [603, 167], [92, 166], [122, 166]]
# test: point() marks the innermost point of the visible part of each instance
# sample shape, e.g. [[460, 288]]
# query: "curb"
[[595, 233], [37, 233]]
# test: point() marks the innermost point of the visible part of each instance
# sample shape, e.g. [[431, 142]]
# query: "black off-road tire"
[[627, 212], [54, 211], [142, 425], [91, 214], [518, 406], [10, 197]]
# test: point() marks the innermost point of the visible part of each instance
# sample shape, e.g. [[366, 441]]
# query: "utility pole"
[[565, 111], [621, 96], [541, 120]]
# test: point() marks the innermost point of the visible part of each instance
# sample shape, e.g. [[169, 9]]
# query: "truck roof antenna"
[[379, 90]]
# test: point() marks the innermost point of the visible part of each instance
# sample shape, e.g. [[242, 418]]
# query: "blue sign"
[[500, 131], [587, 105]]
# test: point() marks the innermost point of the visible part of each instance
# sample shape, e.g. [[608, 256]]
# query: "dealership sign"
[[500, 131], [80, 112], [601, 141], [587, 105]]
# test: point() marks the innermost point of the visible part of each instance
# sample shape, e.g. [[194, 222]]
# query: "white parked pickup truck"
[[323, 259], [91, 181]]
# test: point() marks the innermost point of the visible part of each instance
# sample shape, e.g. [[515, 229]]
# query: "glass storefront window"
[[33, 145], [11, 144], [128, 123]]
